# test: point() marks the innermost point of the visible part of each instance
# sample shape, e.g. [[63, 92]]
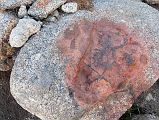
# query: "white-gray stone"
[[24, 29], [42, 8], [55, 13], [53, 17], [70, 7], [37, 79], [149, 97], [7, 22], [10, 4], [22, 11]]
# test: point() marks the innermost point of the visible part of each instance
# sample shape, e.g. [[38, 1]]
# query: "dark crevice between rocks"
[[9, 109], [156, 6], [136, 109]]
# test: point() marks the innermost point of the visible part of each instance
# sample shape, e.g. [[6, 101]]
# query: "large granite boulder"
[[90, 65]]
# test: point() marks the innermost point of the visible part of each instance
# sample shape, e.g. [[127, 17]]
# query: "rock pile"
[[27, 16], [90, 65]]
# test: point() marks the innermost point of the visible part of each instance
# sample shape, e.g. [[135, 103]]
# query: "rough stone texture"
[[24, 29], [145, 117], [7, 22], [10, 4], [40, 82], [22, 11], [70, 7], [152, 1], [42, 8]]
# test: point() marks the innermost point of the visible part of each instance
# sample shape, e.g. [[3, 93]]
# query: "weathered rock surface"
[[24, 29], [70, 7], [89, 65], [10, 4], [7, 22], [42, 8], [146, 117]]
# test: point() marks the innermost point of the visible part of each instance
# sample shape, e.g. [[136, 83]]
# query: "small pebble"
[[22, 11], [51, 19], [24, 29], [56, 13], [149, 97], [53, 16], [71, 7]]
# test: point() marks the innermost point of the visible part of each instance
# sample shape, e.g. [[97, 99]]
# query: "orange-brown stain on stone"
[[102, 58]]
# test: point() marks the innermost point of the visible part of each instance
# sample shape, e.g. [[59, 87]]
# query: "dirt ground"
[[9, 109]]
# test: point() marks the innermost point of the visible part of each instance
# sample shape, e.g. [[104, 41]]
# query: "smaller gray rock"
[[53, 16], [22, 11], [149, 97], [42, 8], [51, 19], [24, 29], [145, 117], [55, 13], [10, 4], [70, 7]]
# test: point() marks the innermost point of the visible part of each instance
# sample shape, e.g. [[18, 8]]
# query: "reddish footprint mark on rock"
[[103, 58]]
